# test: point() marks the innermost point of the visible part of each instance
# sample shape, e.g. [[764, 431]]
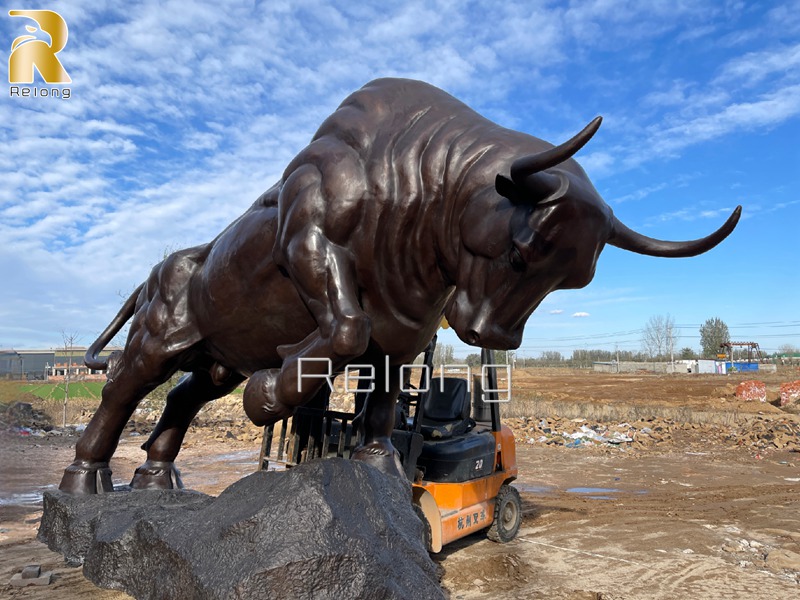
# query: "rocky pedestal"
[[325, 529]]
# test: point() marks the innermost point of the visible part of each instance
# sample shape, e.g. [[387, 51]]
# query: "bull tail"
[[126, 312]]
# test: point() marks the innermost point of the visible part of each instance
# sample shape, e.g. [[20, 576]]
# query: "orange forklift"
[[458, 456]]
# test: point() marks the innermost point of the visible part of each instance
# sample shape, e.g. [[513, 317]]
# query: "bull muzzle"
[[493, 337]]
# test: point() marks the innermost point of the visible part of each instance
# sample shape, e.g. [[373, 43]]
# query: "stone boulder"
[[70, 523], [781, 558], [324, 529]]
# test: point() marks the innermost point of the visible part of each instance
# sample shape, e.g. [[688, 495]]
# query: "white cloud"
[[556, 311], [183, 113], [674, 95], [694, 213], [580, 315], [768, 110], [597, 163], [755, 67], [640, 193]]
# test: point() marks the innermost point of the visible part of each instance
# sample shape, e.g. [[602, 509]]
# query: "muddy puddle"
[[29, 498]]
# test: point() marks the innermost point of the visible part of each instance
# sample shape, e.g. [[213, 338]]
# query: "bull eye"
[[516, 260]]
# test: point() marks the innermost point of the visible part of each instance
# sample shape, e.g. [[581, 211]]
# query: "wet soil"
[[702, 510]]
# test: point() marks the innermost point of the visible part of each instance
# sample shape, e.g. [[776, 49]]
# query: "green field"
[[55, 391]]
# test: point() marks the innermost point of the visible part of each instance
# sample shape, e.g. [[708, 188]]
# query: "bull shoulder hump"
[[405, 124]]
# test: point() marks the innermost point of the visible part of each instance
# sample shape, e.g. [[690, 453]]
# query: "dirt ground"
[[633, 486]]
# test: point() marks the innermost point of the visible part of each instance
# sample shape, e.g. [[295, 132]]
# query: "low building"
[[42, 365]]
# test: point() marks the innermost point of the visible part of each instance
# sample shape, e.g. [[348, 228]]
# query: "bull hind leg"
[[162, 333], [184, 401], [131, 380]]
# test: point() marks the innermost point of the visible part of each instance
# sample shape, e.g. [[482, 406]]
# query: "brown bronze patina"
[[407, 205]]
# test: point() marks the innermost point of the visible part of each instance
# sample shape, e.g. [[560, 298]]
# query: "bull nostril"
[[473, 337]]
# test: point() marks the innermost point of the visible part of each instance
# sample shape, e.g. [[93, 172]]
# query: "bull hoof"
[[83, 477], [157, 475], [382, 456], [260, 402]]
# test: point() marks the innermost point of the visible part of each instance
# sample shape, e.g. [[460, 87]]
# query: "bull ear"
[[508, 189], [538, 187]]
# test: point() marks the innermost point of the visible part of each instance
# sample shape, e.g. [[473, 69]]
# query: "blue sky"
[[182, 113]]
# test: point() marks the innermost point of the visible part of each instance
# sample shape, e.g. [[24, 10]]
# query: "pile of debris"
[[752, 391], [790, 394], [223, 419], [21, 418], [755, 434]]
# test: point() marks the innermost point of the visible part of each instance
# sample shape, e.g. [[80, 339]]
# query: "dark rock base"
[[325, 529]]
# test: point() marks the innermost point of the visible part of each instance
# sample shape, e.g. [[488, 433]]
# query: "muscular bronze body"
[[405, 206]]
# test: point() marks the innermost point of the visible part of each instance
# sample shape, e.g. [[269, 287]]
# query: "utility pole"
[[672, 351]]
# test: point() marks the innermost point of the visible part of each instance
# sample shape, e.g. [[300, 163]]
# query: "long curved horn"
[[627, 239], [535, 163]]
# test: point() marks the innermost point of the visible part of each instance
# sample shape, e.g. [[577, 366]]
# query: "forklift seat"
[[445, 410]]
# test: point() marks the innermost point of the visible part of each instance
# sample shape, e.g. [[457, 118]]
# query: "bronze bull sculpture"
[[407, 205]]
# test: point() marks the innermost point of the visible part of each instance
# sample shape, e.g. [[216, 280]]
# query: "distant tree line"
[[553, 358], [659, 343]]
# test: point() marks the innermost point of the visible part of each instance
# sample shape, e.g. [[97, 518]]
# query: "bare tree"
[[473, 360], [551, 358], [443, 355], [658, 336], [69, 346], [120, 339], [501, 357]]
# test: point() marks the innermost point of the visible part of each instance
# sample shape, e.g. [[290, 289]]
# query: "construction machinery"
[[459, 457], [754, 353]]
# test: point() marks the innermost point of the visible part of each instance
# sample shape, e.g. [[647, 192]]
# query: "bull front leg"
[[325, 277], [324, 274], [376, 422]]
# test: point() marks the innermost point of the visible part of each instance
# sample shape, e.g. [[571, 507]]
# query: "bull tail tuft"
[[126, 312]]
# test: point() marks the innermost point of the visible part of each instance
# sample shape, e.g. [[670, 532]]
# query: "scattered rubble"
[[31, 575], [755, 434], [23, 414], [224, 419]]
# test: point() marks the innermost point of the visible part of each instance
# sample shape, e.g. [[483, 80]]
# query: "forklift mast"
[[316, 431]]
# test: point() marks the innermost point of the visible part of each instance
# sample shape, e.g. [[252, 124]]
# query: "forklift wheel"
[[507, 515], [426, 527]]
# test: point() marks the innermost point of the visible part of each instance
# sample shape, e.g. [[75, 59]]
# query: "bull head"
[[529, 173], [558, 226]]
